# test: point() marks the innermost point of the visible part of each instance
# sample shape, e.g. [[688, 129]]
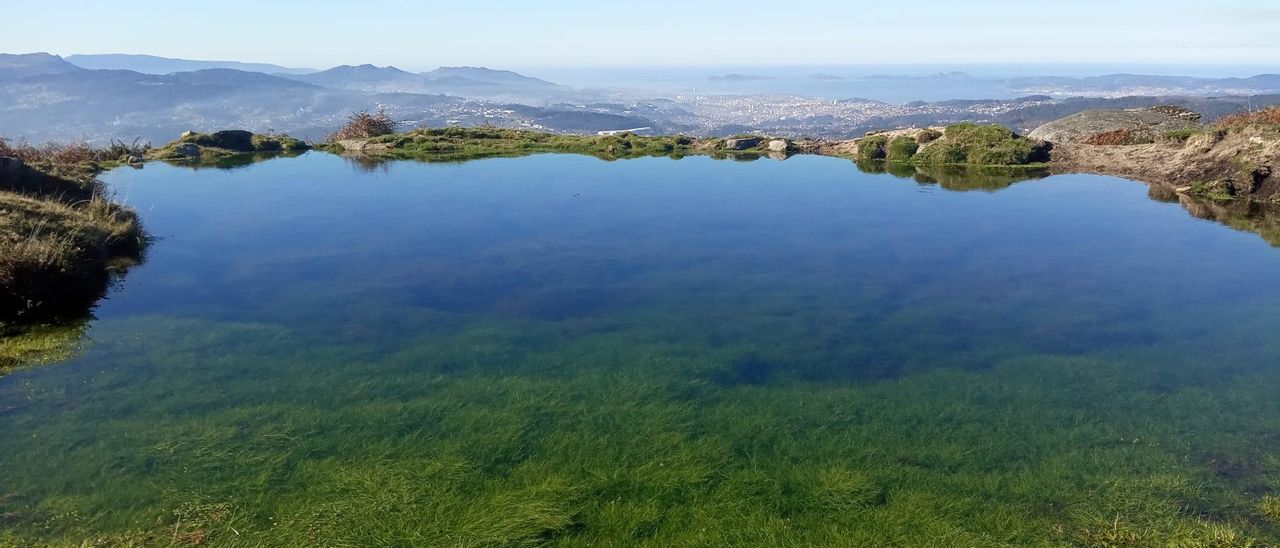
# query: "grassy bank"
[[61, 233]]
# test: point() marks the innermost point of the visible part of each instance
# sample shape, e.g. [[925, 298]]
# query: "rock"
[[186, 134], [188, 150], [238, 140], [742, 144], [779, 145], [1135, 125], [131, 159]]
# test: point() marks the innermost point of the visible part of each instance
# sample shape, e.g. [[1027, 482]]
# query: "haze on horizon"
[[508, 33]]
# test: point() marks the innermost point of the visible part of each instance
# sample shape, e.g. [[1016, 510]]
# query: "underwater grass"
[[627, 441]]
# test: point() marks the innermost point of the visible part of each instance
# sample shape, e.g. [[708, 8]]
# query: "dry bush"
[[1269, 116], [363, 125]]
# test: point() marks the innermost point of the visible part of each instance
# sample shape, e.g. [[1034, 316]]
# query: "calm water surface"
[[558, 349]]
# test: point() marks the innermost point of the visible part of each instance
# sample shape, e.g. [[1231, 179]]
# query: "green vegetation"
[[30, 345], [61, 235], [961, 144], [979, 145], [1269, 509], [455, 144], [872, 147], [901, 149], [226, 145]]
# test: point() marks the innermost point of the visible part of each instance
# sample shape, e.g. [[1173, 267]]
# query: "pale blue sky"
[[510, 33]]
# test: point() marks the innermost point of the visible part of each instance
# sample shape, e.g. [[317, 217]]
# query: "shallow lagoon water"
[[558, 349]]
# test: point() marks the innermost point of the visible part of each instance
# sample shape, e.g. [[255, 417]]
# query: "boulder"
[[742, 143], [779, 145], [1124, 126]]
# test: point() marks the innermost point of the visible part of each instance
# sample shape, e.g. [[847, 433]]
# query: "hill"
[[14, 66], [361, 77]]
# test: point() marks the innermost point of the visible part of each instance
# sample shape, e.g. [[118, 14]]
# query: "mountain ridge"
[[154, 64]]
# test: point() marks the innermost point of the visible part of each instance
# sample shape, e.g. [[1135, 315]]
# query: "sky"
[[576, 33]]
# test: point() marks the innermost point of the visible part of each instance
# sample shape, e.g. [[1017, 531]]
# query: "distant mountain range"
[[45, 97], [150, 64], [1114, 85], [461, 81]]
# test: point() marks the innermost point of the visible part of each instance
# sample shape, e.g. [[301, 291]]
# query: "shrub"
[[364, 125], [901, 149], [872, 147]]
